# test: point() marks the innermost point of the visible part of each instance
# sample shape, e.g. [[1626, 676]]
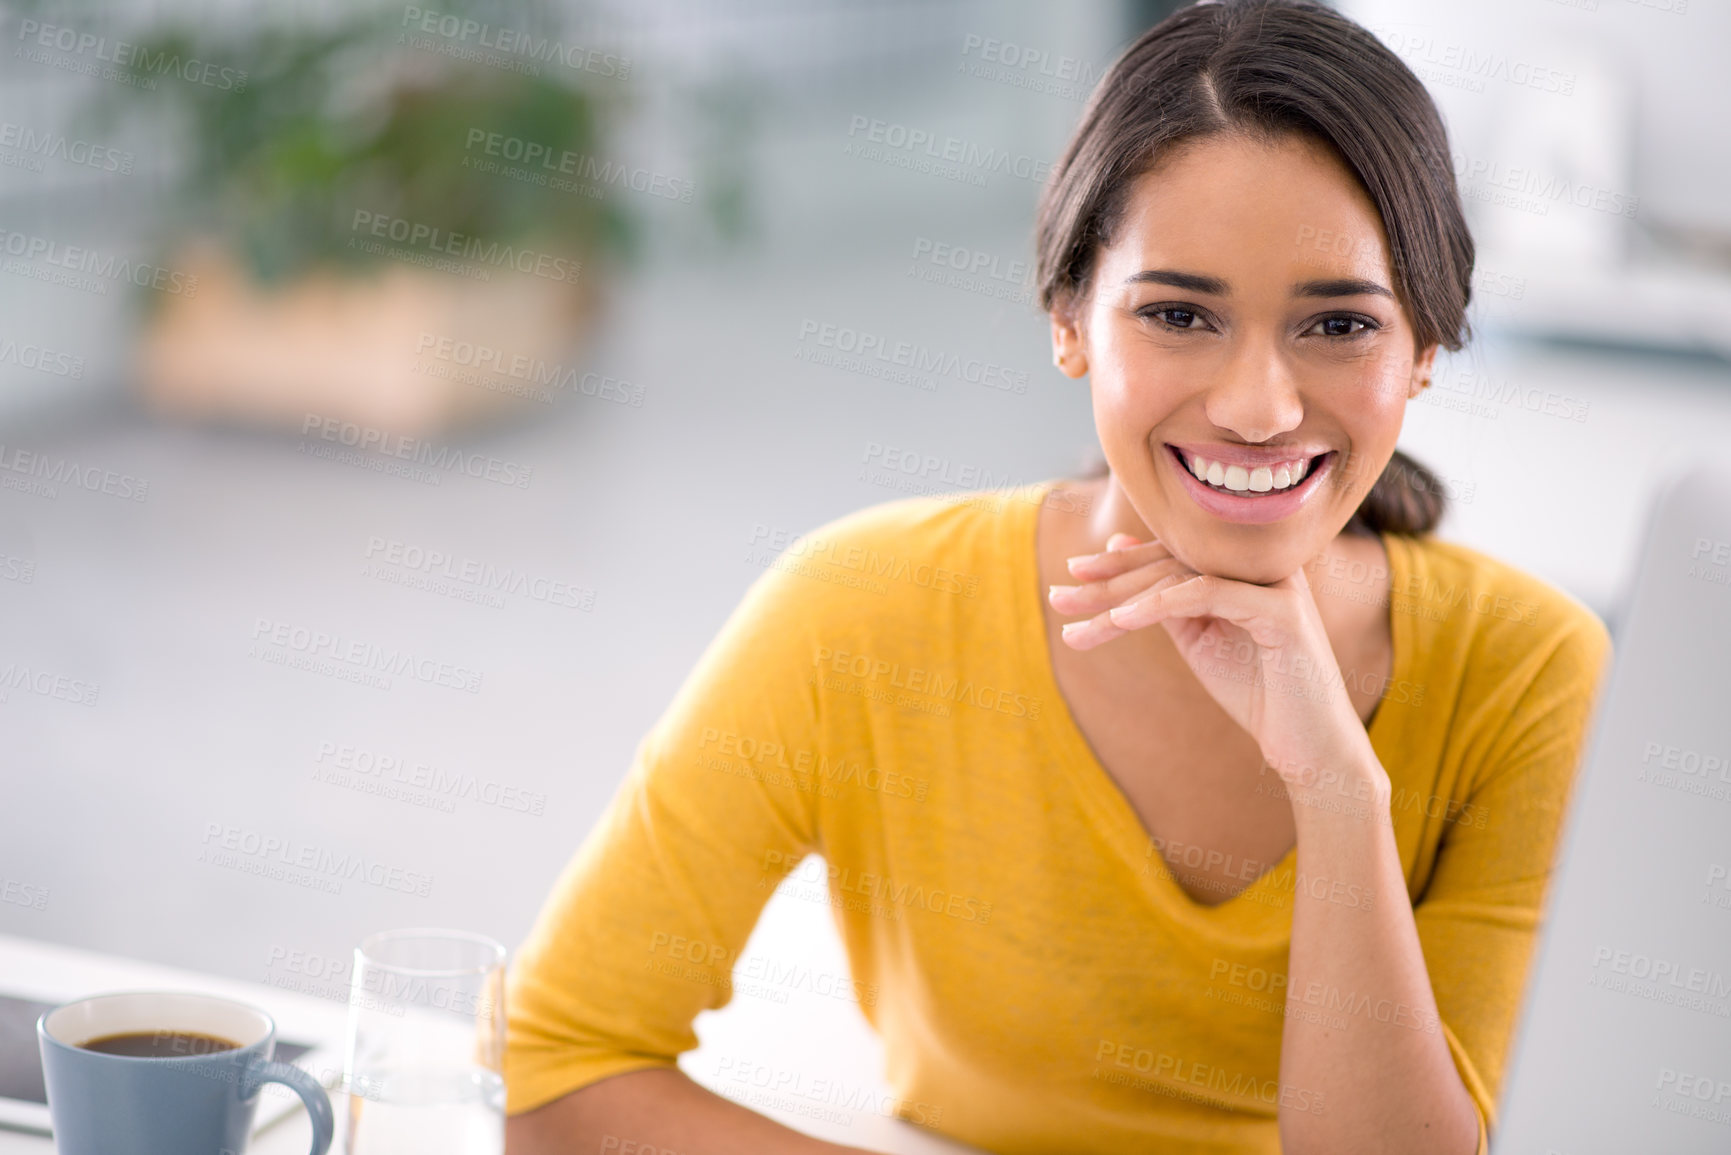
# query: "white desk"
[[55, 973]]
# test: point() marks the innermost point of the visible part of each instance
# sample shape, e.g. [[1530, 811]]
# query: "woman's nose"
[[1255, 394]]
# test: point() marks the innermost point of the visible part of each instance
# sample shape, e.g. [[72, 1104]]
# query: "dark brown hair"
[[1270, 68]]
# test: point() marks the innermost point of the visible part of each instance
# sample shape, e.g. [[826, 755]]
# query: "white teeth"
[[1239, 479]]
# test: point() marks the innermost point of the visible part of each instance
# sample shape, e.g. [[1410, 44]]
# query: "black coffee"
[[159, 1044]]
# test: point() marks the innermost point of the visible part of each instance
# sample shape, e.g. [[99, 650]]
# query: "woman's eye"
[[1342, 326], [1175, 317]]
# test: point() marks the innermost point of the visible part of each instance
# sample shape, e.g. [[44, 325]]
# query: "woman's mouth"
[[1252, 494], [1244, 482]]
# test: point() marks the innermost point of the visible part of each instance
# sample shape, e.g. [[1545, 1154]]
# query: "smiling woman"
[[1264, 878], [1235, 372]]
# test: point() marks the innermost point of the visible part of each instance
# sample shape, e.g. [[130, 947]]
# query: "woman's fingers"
[[1090, 632], [1097, 597], [1114, 561], [1267, 614], [1101, 626]]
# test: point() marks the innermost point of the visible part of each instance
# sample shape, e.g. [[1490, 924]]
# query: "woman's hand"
[[1261, 651]]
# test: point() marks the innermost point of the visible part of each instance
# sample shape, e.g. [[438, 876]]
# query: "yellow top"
[[884, 696]]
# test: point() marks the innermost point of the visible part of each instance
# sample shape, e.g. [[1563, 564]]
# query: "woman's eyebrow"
[[1195, 282], [1201, 283], [1341, 287]]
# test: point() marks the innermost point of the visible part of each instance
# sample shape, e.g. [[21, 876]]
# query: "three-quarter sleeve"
[[644, 924], [1478, 916]]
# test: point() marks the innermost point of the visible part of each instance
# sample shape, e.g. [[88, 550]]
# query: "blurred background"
[[395, 400]]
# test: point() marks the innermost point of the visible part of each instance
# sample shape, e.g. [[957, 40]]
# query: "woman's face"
[[1243, 324]]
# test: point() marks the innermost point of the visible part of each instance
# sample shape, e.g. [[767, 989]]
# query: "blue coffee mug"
[[197, 1104]]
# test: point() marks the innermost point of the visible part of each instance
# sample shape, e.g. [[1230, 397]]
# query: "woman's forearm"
[[1385, 1081], [654, 1112]]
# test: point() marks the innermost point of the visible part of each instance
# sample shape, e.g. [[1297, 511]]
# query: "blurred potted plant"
[[379, 232]]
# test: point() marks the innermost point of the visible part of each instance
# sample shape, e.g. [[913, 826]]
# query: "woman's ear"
[[1422, 367], [1069, 351]]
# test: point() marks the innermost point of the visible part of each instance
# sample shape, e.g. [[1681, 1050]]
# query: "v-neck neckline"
[[1257, 914]]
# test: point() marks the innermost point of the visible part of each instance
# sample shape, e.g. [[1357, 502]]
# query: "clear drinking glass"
[[424, 1064]]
